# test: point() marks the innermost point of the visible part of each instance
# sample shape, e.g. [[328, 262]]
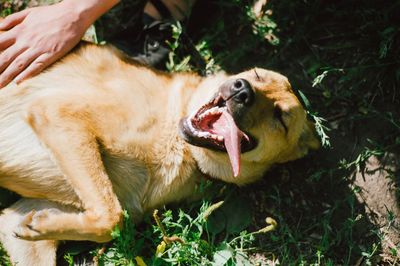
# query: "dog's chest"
[[130, 178]]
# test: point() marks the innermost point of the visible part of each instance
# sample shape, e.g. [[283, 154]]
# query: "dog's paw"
[[34, 226]]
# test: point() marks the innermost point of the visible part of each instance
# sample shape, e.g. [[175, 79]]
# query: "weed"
[[263, 26], [319, 121], [125, 248], [69, 258], [360, 160], [173, 65], [183, 239], [4, 260]]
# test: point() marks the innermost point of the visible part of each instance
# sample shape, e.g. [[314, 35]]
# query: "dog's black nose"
[[242, 92]]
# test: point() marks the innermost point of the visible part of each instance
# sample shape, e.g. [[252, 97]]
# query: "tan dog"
[[96, 134]]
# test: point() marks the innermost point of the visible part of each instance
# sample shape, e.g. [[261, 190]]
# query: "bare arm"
[[37, 37]]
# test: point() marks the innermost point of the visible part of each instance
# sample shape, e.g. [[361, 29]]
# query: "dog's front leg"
[[73, 144]]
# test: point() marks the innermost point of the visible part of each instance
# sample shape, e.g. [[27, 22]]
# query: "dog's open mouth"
[[212, 126]]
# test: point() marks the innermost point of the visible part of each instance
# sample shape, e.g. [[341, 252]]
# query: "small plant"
[[184, 239], [69, 258], [368, 255], [125, 248], [263, 25], [4, 260], [173, 65], [360, 160], [205, 52], [319, 122], [194, 243], [321, 129]]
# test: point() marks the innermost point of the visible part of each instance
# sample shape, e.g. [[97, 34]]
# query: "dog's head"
[[251, 121]]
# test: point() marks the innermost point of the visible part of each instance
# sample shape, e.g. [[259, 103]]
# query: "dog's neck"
[[176, 173]]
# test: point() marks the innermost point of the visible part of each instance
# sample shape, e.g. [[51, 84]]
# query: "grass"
[[3, 258], [343, 60], [206, 234]]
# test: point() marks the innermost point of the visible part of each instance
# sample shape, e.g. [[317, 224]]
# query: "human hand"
[[35, 38]]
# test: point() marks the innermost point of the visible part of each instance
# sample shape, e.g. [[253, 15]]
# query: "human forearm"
[[88, 11]]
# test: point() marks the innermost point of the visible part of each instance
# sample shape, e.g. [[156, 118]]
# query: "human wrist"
[[88, 11]]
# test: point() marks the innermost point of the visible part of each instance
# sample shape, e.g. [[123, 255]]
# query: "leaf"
[[221, 257], [140, 261], [233, 216], [241, 259], [160, 249], [216, 222], [238, 213], [116, 233], [303, 97]]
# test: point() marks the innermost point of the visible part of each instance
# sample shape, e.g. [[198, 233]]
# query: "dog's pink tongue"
[[225, 126]]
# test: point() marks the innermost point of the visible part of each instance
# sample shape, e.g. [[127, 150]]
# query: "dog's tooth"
[[214, 109], [202, 134], [207, 112], [211, 111], [220, 138]]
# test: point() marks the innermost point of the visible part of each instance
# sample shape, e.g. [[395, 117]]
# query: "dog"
[[97, 133]]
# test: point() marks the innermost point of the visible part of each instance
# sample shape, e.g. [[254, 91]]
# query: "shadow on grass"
[[325, 207]]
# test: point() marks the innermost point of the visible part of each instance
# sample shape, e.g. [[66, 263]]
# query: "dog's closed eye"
[[278, 115]]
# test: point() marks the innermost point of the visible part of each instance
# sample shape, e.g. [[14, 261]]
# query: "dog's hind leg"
[[24, 252], [72, 140]]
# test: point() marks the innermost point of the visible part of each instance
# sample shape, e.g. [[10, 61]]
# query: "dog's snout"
[[238, 92], [242, 92]]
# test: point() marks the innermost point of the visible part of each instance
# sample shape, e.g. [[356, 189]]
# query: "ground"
[[337, 206]]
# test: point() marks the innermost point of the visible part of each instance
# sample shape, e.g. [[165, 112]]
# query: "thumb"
[[13, 19]]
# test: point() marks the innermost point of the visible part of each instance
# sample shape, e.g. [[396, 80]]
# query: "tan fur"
[[96, 134]]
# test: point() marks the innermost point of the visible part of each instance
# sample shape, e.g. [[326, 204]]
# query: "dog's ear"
[[308, 139]]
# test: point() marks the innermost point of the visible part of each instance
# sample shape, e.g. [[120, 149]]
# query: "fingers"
[[19, 64], [35, 67], [6, 39], [13, 20], [7, 56]]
